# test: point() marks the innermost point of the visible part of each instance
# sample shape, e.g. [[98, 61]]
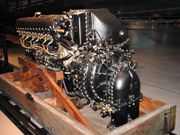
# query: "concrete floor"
[[157, 51], [159, 72], [7, 127]]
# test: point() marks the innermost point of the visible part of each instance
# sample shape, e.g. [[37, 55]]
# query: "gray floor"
[[7, 127], [159, 71], [157, 50]]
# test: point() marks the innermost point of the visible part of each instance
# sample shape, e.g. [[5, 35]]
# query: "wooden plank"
[[169, 120], [50, 77], [55, 121], [148, 105], [153, 123]]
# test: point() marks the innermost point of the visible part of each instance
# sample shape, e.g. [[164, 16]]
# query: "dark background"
[[149, 22]]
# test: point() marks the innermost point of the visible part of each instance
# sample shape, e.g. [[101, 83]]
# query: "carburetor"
[[92, 49]]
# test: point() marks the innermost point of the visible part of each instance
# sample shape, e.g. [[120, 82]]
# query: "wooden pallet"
[[156, 118]]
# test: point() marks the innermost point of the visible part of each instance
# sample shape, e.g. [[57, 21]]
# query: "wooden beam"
[[29, 76], [54, 120]]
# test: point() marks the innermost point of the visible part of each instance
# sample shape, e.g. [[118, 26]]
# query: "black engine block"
[[92, 49]]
